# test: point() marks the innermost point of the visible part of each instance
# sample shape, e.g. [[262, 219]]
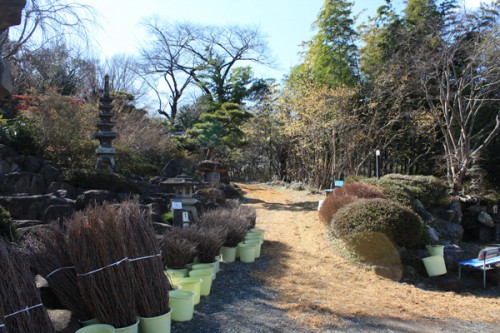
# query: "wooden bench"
[[484, 261]]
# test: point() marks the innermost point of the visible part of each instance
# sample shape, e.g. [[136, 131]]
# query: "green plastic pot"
[[159, 324], [247, 252], [89, 322], [217, 263], [435, 250], [435, 265], [129, 329], [182, 304], [210, 266], [193, 284], [206, 280], [257, 243], [178, 272], [228, 254], [253, 236], [96, 328]]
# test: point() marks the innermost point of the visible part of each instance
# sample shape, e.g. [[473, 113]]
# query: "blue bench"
[[484, 261]]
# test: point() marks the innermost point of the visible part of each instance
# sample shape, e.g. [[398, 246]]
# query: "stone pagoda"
[[105, 152]]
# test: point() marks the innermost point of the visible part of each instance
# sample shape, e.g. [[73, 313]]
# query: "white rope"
[[26, 309], [146, 257], [57, 270], [102, 268], [2, 325]]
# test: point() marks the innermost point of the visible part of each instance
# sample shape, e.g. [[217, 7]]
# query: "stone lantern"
[[183, 203], [105, 152]]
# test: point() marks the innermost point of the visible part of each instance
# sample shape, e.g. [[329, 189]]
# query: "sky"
[[284, 23]]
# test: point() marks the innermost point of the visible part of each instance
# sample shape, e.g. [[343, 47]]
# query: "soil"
[[302, 283]]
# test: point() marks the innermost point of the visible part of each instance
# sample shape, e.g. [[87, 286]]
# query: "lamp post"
[[377, 157]]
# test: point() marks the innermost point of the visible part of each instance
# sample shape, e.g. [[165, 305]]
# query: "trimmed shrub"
[[7, 228], [399, 223], [404, 189], [332, 204], [360, 190], [99, 180]]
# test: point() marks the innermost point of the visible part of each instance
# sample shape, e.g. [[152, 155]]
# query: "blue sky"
[[285, 23]]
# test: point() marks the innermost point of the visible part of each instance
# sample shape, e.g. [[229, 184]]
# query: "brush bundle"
[[230, 221], [48, 252], [145, 258], [22, 306], [177, 250], [97, 248]]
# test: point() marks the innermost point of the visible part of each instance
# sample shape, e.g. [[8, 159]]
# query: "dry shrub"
[[177, 251], [143, 251], [229, 219], [332, 204], [209, 242], [360, 190], [19, 296], [98, 250], [48, 253]]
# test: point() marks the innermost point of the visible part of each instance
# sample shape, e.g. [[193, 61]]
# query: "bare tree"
[[187, 55], [51, 20]]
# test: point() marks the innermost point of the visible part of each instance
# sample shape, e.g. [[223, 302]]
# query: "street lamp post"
[[377, 167]]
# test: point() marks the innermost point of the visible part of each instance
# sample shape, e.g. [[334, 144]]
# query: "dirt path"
[[326, 293]]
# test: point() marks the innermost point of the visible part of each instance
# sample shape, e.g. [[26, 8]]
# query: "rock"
[[58, 213], [94, 197], [63, 321], [24, 231], [11, 13], [433, 235], [7, 160], [452, 255], [394, 273], [485, 218], [456, 207], [25, 207], [452, 232], [26, 223], [71, 191], [420, 209], [50, 174], [31, 164], [23, 182], [486, 234]]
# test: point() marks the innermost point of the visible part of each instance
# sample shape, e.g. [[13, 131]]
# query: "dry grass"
[[320, 288]]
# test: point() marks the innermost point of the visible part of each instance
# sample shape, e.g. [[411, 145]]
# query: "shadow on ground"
[[240, 302]]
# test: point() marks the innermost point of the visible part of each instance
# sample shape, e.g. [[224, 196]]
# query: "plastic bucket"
[[160, 324], [178, 272], [247, 252], [89, 322], [129, 329], [182, 304], [228, 254], [253, 236], [256, 231], [217, 263], [97, 328], [210, 266], [237, 255], [435, 265], [257, 243], [206, 280], [435, 250], [192, 284]]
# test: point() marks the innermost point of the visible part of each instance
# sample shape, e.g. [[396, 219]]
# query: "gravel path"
[[301, 285]]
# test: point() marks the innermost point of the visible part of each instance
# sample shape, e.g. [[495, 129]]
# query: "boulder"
[[8, 162], [433, 235], [25, 207], [394, 273], [11, 12], [50, 175], [58, 213], [456, 207], [420, 209], [31, 163], [485, 218], [453, 232], [68, 191], [24, 182], [452, 255], [94, 197]]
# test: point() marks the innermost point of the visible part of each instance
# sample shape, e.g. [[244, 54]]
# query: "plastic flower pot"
[[228, 254], [237, 255], [89, 322], [159, 324], [247, 252], [217, 263], [206, 280], [435, 265], [182, 304], [210, 266], [253, 236], [257, 231], [193, 284], [257, 243], [97, 328], [129, 329], [179, 272], [435, 250]]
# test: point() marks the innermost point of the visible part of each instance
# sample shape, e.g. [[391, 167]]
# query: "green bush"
[[7, 228], [399, 223], [404, 189], [168, 218], [331, 205], [99, 180], [21, 135]]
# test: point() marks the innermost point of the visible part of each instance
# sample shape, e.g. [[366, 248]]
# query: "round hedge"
[[399, 223]]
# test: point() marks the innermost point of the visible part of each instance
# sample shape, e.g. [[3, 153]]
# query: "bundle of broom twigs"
[[145, 258], [177, 248], [22, 306], [98, 251], [48, 253]]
